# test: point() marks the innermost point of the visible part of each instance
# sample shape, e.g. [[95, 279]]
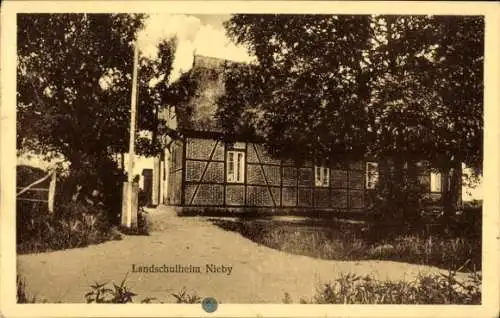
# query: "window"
[[235, 166], [322, 176], [371, 175], [436, 182]]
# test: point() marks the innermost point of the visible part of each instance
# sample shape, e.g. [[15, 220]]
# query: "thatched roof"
[[197, 111]]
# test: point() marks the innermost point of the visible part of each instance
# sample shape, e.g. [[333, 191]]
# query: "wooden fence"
[[32, 193]]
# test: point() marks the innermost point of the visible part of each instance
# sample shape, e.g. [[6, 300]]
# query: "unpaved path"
[[259, 274]]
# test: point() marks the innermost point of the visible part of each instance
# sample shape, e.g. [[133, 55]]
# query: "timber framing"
[[267, 182]]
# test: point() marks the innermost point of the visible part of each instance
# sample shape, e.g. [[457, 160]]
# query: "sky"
[[203, 34]]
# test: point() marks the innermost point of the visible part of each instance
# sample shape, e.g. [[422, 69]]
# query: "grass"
[[426, 289], [100, 293], [22, 294], [72, 225], [184, 297], [111, 293], [353, 241], [348, 288], [143, 224]]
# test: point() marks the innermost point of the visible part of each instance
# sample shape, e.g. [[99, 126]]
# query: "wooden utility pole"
[[131, 155], [52, 191]]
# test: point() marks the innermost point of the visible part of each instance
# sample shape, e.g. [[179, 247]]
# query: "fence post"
[[52, 191]]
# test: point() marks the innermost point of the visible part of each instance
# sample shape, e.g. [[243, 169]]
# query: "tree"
[[307, 93], [74, 74], [73, 94], [425, 107], [459, 60], [394, 87], [154, 92]]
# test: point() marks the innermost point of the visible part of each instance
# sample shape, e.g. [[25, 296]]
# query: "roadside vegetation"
[[459, 249], [64, 116], [397, 226], [426, 289], [348, 288], [82, 215]]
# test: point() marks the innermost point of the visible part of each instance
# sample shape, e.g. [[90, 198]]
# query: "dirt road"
[[258, 274]]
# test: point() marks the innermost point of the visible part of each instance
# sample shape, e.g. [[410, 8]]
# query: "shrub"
[[473, 204], [396, 208], [426, 289], [347, 289], [143, 227], [73, 224], [345, 241], [98, 174], [85, 207], [119, 294], [287, 299], [22, 293], [183, 297]]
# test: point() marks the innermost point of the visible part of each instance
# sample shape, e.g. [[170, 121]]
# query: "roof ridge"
[[213, 61]]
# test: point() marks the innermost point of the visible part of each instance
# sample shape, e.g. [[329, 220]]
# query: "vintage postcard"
[[250, 159]]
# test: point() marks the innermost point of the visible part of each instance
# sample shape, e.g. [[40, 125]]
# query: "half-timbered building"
[[205, 171]]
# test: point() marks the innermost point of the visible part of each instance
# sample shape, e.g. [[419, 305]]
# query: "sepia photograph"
[[239, 157]]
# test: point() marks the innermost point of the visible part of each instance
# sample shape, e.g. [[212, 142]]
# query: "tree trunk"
[[452, 184], [399, 184], [415, 195], [154, 128], [456, 186], [122, 162], [412, 172], [77, 180], [398, 174], [451, 188]]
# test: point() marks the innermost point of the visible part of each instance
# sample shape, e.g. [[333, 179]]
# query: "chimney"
[[194, 57]]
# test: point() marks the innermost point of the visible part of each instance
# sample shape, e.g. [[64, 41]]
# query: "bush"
[[22, 293], [142, 228], [101, 294], [347, 289], [396, 208], [94, 174], [473, 205], [346, 241], [426, 289], [454, 252], [121, 294], [87, 205], [184, 297], [73, 224]]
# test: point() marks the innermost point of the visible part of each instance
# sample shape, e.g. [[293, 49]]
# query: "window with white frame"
[[436, 185], [235, 166], [371, 175], [322, 176]]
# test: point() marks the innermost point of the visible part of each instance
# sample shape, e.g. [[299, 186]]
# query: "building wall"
[[175, 171], [268, 182], [204, 175], [197, 178], [141, 163]]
